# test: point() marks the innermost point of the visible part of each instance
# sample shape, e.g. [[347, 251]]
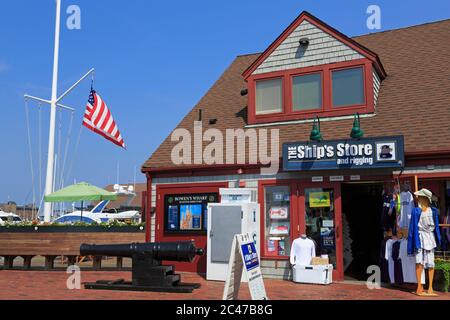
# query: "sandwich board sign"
[[244, 258]]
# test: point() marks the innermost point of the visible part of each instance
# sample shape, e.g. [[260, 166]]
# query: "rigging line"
[[27, 197], [41, 202], [40, 150], [66, 151], [59, 143], [58, 158], [30, 154], [77, 144]]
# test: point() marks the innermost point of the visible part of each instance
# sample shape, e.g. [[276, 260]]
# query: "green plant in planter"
[[444, 266], [21, 224]]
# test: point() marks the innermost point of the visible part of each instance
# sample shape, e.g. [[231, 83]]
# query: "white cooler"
[[322, 274]]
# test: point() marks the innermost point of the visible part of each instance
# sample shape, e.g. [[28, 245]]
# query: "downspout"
[[148, 209]]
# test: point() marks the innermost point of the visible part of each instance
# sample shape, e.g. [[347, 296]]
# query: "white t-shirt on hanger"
[[408, 264], [407, 206], [388, 257], [302, 251]]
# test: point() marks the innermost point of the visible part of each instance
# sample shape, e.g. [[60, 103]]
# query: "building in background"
[[26, 212], [398, 83], [136, 202]]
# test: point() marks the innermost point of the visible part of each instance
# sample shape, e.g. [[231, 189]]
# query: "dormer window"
[[348, 87], [269, 96], [331, 90], [331, 76]]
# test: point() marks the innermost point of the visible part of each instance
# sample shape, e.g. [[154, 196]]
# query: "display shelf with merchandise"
[[277, 228]]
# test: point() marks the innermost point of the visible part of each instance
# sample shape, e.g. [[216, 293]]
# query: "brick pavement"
[[43, 285]]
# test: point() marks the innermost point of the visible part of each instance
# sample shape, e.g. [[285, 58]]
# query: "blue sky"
[[154, 60]]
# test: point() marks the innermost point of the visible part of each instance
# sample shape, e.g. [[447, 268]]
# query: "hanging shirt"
[[383, 263], [398, 270], [407, 206], [398, 203], [302, 252], [446, 234], [388, 257], [408, 264], [388, 215]]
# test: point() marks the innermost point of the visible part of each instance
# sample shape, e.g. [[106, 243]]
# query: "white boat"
[[7, 217], [100, 213]]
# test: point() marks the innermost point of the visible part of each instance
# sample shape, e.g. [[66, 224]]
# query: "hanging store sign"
[[383, 152]]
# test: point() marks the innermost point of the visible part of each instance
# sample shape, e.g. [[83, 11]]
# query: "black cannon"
[[148, 273]]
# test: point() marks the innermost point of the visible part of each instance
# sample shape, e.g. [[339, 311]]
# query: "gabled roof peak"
[[306, 16]]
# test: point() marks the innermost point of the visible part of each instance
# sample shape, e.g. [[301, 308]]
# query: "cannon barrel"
[[167, 251]]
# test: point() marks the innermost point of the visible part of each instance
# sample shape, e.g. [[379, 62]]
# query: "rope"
[[30, 154], [64, 159], [66, 150], [59, 143], [40, 154], [58, 158], [72, 162], [41, 203], [69, 173]]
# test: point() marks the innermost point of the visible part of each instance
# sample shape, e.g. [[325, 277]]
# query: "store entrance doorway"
[[362, 236]]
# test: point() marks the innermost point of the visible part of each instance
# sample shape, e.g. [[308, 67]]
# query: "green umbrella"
[[80, 192]]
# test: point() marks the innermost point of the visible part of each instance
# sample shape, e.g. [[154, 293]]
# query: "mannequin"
[[303, 250], [423, 238]]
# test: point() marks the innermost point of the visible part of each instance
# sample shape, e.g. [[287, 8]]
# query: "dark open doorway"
[[362, 236]]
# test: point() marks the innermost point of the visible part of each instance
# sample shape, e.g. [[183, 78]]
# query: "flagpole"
[[54, 101]]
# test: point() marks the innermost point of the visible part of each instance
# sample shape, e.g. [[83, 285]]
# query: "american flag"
[[98, 118]]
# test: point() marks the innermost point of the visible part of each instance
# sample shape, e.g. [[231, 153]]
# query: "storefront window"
[[277, 221], [320, 224]]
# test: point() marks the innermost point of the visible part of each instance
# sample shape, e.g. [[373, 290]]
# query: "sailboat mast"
[[54, 101]]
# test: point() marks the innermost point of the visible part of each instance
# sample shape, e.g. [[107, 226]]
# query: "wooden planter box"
[[52, 242]]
